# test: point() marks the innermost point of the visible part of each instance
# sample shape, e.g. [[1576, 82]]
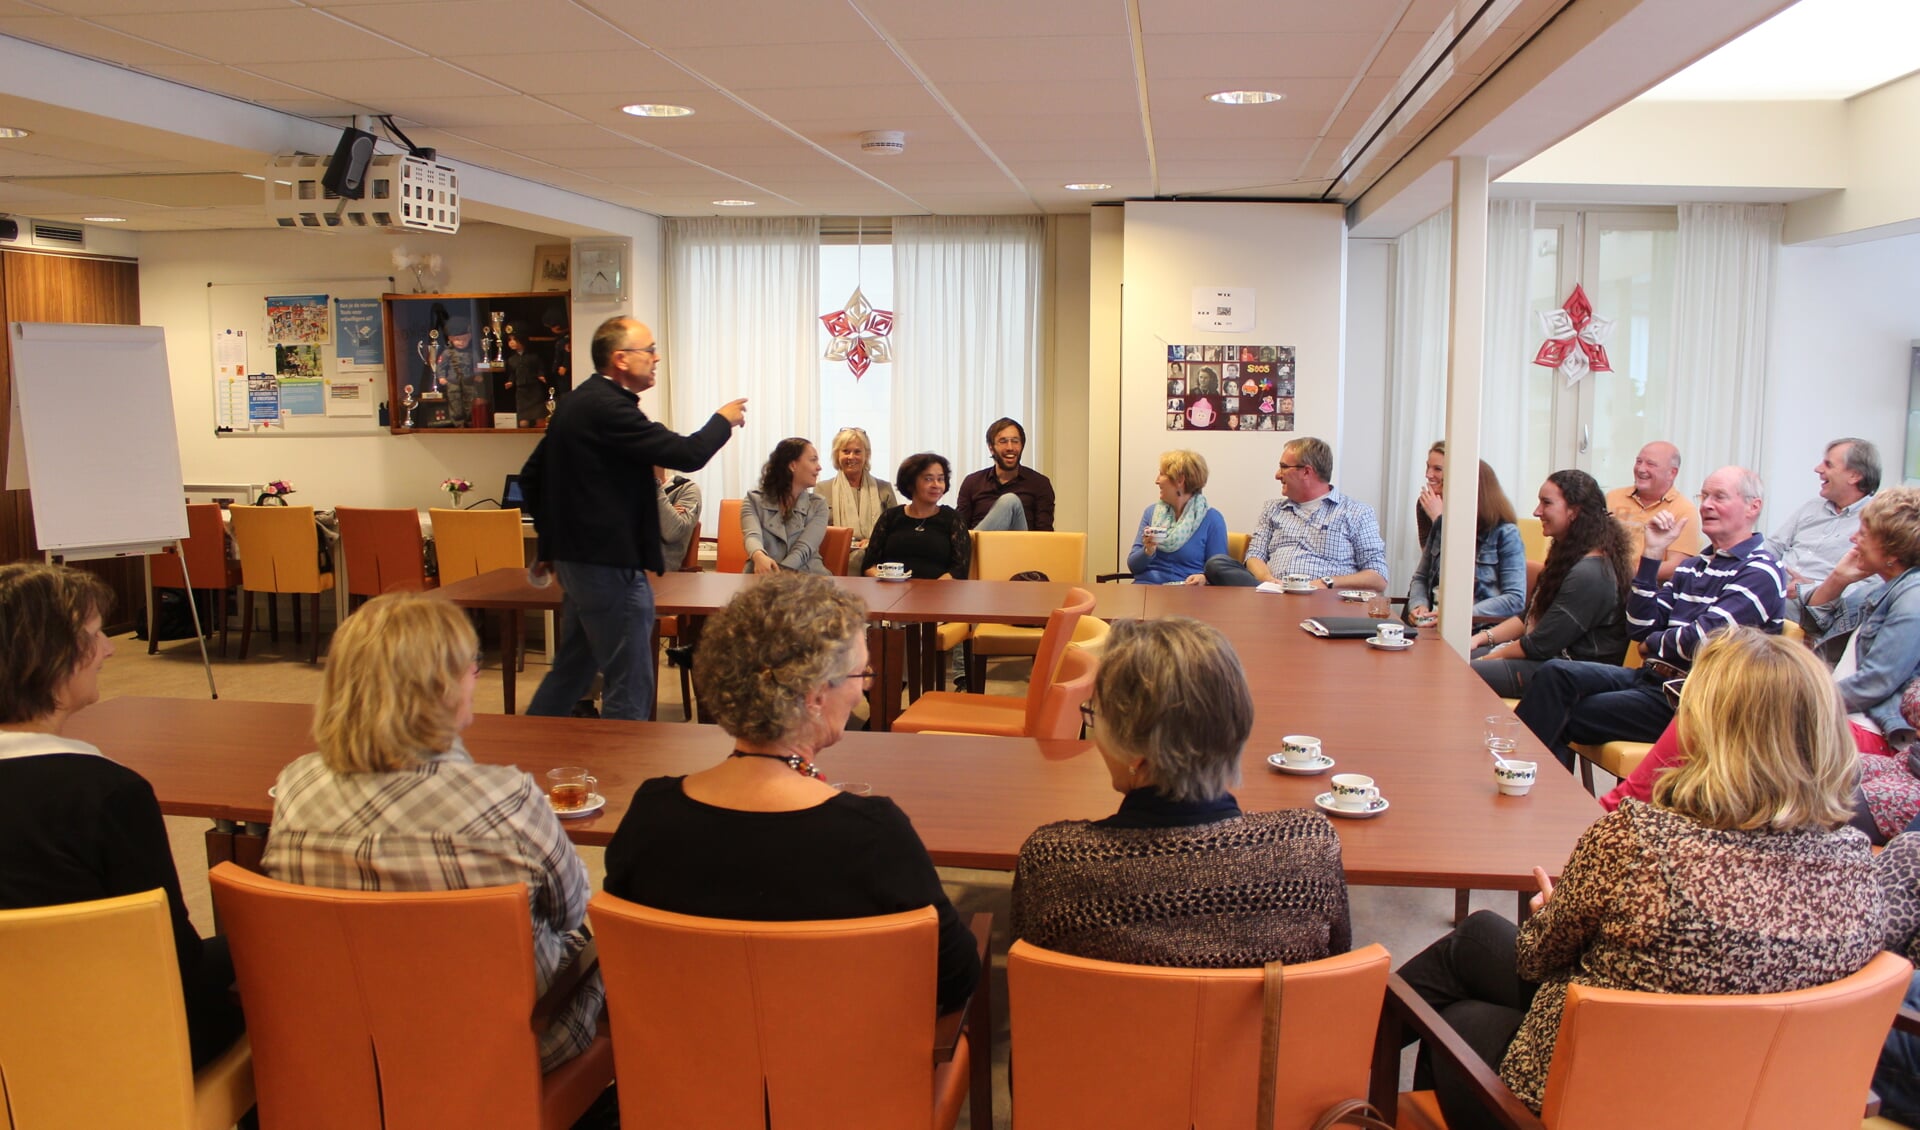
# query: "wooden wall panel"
[[64, 288]]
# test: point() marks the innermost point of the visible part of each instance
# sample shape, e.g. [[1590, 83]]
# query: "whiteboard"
[[93, 437]]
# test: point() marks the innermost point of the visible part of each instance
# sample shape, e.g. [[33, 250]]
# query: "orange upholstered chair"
[[279, 552], [730, 552], [1200, 1029], [207, 562], [1013, 715], [396, 1011], [834, 549], [1776, 1061], [93, 1031], [383, 551], [825, 1025]]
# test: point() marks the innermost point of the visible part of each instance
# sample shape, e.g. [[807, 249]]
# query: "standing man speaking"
[[590, 488]]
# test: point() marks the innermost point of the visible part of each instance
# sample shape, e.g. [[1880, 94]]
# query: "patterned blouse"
[[446, 824], [1653, 902]]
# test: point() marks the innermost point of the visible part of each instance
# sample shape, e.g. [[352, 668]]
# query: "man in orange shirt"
[[1654, 470]]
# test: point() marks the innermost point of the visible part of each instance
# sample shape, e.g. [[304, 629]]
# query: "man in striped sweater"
[[1733, 582]]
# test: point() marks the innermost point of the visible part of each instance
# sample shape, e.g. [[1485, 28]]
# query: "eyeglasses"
[[1086, 714], [1291, 466], [866, 677], [653, 349]]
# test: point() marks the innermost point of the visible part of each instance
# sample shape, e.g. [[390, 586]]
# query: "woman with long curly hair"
[[784, 521], [1577, 609]]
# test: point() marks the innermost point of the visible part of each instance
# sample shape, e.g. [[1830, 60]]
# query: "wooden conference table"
[[973, 800]]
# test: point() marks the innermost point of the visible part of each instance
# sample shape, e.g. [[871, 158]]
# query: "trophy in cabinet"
[[430, 351], [410, 404], [497, 351]]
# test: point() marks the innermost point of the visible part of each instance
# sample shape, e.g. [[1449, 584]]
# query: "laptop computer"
[[512, 497]]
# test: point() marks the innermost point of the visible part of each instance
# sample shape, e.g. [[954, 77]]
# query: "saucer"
[[273, 791], [1318, 765], [1325, 803], [595, 802], [1358, 596], [1376, 641], [1299, 589], [894, 580]]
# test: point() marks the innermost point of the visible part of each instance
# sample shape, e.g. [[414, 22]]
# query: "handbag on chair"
[[1347, 1112]]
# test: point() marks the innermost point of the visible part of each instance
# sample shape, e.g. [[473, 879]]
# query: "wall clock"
[[600, 270]]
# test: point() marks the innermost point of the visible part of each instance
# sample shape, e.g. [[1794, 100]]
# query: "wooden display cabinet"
[[451, 366]]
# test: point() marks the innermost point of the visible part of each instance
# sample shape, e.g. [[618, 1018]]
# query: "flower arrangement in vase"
[[456, 487], [275, 494]]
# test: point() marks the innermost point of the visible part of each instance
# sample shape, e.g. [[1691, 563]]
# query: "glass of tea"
[[570, 787]]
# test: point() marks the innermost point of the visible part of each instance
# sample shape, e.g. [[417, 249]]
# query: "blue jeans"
[[1592, 703], [1222, 569], [1007, 514], [606, 627], [1896, 1079]]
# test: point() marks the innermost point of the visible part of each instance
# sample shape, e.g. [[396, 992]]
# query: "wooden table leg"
[[509, 648], [886, 653]]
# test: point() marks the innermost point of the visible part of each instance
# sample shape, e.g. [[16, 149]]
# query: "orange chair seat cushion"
[[223, 1089], [569, 1089], [1005, 639], [993, 715]]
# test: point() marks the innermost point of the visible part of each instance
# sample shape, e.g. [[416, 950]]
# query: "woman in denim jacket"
[[1499, 560], [1884, 618]]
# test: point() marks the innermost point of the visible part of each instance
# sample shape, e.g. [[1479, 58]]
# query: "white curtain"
[[742, 298], [1418, 415], [1723, 287], [969, 339]]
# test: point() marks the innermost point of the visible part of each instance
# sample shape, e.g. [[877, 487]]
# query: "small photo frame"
[[551, 267]]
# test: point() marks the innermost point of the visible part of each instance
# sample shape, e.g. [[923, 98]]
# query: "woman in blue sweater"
[[1179, 532]]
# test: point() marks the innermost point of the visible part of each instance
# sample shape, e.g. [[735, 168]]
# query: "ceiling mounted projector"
[[398, 193], [883, 142]]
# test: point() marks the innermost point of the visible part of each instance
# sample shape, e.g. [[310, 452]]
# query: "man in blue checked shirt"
[[1733, 582], [1313, 531]]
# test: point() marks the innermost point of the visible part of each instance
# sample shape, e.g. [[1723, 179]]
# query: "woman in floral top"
[[1740, 877]]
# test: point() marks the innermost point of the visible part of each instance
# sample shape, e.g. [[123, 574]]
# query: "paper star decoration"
[[859, 334], [1576, 339]]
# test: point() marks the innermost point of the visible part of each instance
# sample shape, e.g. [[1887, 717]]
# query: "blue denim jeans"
[[606, 627], [1222, 569], [1007, 514]]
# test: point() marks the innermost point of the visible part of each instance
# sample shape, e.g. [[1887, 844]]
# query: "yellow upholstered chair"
[[1090, 635], [93, 1029], [1062, 556], [711, 1019], [1773, 1061], [468, 543], [279, 552], [1201, 1031], [1533, 539], [1237, 546]]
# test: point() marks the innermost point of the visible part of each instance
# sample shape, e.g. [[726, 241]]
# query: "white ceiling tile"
[[1020, 59], [718, 23], [990, 99], [1254, 154], [611, 72], [124, 7], [708, 106], [1256, 61], [881, 104], [226, 80], [454, 113], [315, 107], [1242, 17], [373, 81], [91, 40], [259, 36], [979, 204], [569, 135], [1041, 127], [909, 20], [484, 27], [760, 66]]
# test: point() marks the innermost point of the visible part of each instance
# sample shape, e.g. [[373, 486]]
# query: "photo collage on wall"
[[1230, 388]]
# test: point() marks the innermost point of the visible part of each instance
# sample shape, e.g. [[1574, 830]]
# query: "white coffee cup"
[[1157, 534], [1300, 749], [1298, 581], [1515, 777], [1354, 791], [1391, 634], [892, 570]]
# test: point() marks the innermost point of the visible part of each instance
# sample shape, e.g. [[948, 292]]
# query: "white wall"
[[1362, 444], [1837, 360], [382, 470], [1294, 257]]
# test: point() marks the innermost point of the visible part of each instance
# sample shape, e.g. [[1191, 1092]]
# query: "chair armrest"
[[949, 1026], [1907, 1020], [1404, 1009], [564, 983], [1105, 577]]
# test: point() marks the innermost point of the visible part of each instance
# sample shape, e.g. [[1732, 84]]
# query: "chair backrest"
[[206, 546], [1793, 631], [730, 554], [382, 549], [468, 543], [1775, 1061], [1047, 654], [1534, 569], [1061, 555], [713, 1019], [834, 549], [1237, 546], [93, 1030], [385, 1010], [1200, 1031], [1533, 539], [691, 562], [1072, 685], [1090, 635], [279, 550]]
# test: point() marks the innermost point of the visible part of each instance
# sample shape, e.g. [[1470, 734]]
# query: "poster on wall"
[[263, 398], [1230, 388], [298, 319], [358, 340]]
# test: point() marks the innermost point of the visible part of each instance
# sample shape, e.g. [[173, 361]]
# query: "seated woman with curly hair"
[[760, 836], [1180, 876]]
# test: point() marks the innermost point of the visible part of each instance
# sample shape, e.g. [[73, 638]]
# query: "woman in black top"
[[1577, 609], [761, 836], [74, 826], [929, 539]]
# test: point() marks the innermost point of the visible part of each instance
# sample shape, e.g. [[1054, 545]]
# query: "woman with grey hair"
[[1179, 876], [761, 836]]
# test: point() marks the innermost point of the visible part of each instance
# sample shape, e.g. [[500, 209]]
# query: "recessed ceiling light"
[[656, 110], [736, 203], [1087, 186], [12, 133], [1244, 97], [106, 219]]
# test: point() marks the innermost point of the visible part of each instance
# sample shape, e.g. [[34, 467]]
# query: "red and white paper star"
[[1576, 340], [859, 334]]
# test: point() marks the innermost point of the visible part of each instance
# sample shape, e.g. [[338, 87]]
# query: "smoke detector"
[[883, 142]]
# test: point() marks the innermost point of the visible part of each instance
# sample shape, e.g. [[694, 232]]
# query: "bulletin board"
[[297, 357]]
